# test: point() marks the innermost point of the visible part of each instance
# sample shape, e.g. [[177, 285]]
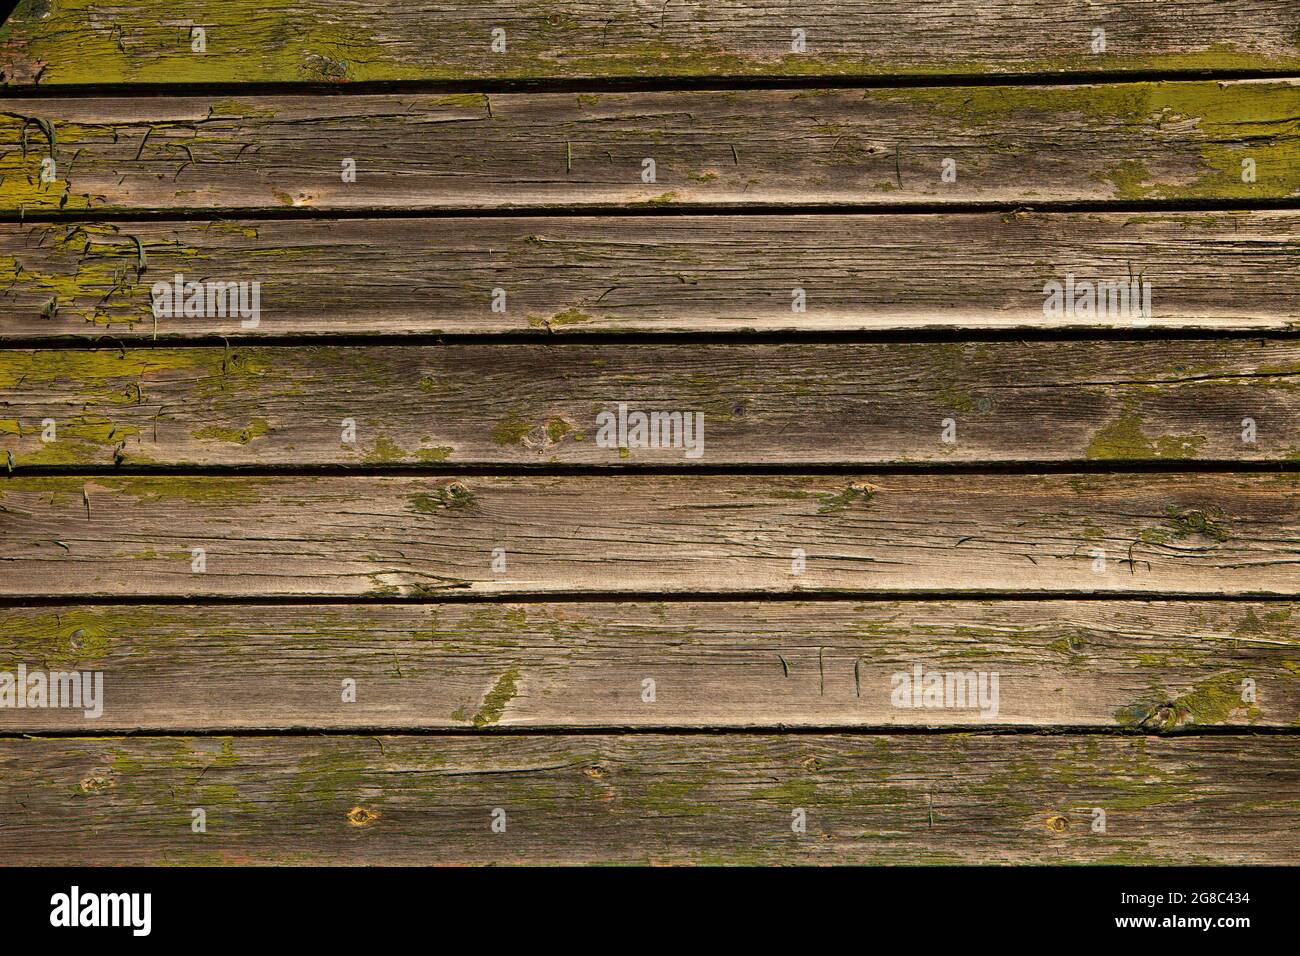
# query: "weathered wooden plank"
[[1009, 144], [1155, 665], [1169, 534], [650, 799], [656, 274], [149, 41], [735, 404]]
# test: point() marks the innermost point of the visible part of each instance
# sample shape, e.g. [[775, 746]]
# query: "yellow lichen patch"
[[514, 430], [1221, 701], [472, 101], [242, 108], [66, 638], [494, 702], [124, 376], [1228, 699], [362, 816], [80, 440], [103, 375], [993, 106], [1253, 121], [385, 450], [240, 436], [89, 271], [453, 495], [214, 491], [97, 781], [1129, 177], [272, 40], [569, 316], [435, 453], [1228, 121], [233, 228], [75, 41], [32, 165], [861, 492], [1124, 439]]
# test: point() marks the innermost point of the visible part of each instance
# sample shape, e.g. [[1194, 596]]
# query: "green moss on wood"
[[454, 495], [1232, 121], [384, 451], [511, 430], [239, 436], [494, 703], [833, 503], [1124, 439]]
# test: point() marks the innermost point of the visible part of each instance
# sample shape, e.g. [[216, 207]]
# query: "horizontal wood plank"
[[1171, 534], [502, 676], [1160, 665], [791, 404], [1025, 145], [149, 41], [649, 799], [574, 275]]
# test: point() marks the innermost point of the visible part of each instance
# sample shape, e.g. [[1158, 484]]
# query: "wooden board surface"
[[395, 473], [650, 799], [1024, 145], [150, 41], [1184, 533], [570, 276], [1226, 400], [1154, 666]]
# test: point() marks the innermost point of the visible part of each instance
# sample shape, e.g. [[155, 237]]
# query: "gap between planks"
[[182, 214], [846, 595], [665, 83]]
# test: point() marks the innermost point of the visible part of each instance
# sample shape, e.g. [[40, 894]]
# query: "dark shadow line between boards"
[[662, 83], [1027, 334], [617, 730], [633, 209], [826, 596], [793, 470]]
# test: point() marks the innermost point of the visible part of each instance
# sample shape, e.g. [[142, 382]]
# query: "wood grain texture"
[[575, 275], [535, 703], [753, 404], [1170, 534], [649, 799], [1158, 666], [149, 41], [876, 146]]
